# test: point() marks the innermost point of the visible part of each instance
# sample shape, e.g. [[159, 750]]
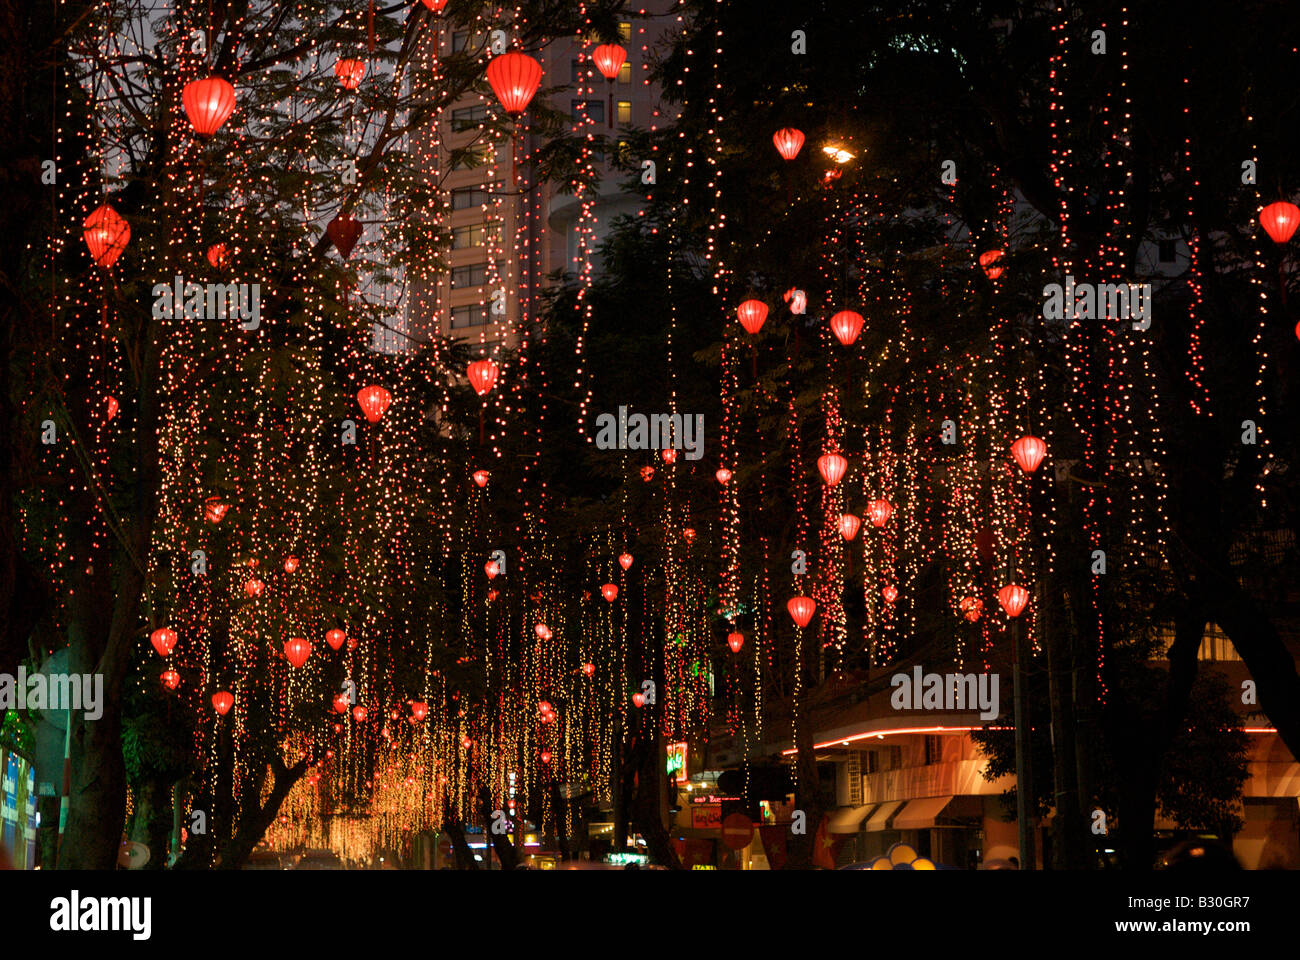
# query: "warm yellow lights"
[[838, 153]]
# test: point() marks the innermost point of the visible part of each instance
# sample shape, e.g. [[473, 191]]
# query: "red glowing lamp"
[[543, 631], [546, 756], [625, 560], [113, 407], [1280, 220], [170, 679], [163, 640], [514, 77], [340, 703], [647, 474], [290, 564], [989, 261], [253, 588], [609, 591], [849, 526], [832, 466], [222, 702], [1029, 452], [588, 669], [466, 742], [483, 375], [802, 609], [350, 72], [879, 512], [1013, 599], [722, 475], [669, 455], [435, 5], [789, 142], [890, 593], [359, 714], [374, 401], [735, 641], [419, 710], [214, 510], [490, 568], [689, 534], [971, 608], [846, 325], [218, 256], [480, 477], [752, 313], [335, 638], [638, 700], [208, 103], [609, 59], [296, 651], [106, 234]]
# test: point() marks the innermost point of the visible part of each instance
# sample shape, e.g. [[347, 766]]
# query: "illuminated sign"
[[677, 760], [708, 817]]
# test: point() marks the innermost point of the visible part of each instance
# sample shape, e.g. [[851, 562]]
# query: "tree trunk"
[[151, 821], [252, 828]]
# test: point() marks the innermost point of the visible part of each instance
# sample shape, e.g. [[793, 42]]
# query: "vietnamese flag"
[[773, 835], [826, 846]]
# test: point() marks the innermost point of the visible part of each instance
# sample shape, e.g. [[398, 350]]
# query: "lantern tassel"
[[371, 27]]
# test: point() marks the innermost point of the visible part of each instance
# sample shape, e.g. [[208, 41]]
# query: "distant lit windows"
[[625, 72], [625, 32], [467, 197], [474, 275], [468, 118], [624, 111], [459, 41], [463, 238]]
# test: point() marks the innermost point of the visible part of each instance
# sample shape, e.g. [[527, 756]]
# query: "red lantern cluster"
[[789, 142], [253, 588], [802, 610], [514, 77], [846, 325], [890, 593]]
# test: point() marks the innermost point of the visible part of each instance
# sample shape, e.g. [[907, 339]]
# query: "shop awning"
[[921, 814], [882, 815], [849, 819]]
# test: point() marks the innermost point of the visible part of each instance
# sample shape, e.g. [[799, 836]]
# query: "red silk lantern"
[[735, 641], [208, 104], [106, 234], [359, 714], [989, 261], [1029, 452], [435, 5], [344, 232], [625, 560], [846, 325], [609, 591], [788, 141], [222, 702], [669, 455], [832, 467], [296, 651], [890, 593], [971, 608], [419, 710], [722, 475], [514, 77], [352, 643], [163, 640], [335, 638], [647, 474], [253, 588], [482, 375], [689, 534], [588, 669], [340, 703], [752, 313], [218, 257], [638, 700], [480, 477], [543, 631], [1280, 220], [544, 706], [879, 511], [1013, 599], [849, 526], [290, 564], [466, 742], [374, 401], [170, 679], [490, 568], [609, 59], [802, 609], [113, 407], [492, 595], [350, 72], [214, 510], [546, 756]]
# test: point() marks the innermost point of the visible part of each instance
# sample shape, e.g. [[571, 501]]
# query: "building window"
[[459, 41], [933, 749], [1168, 251], [474, 275], [873, 761], [467, 118], [895, 758], [462, 238], [594, 110], [576, 72], [465, 197], [625, 72], [624, 111], [625, 32], [470, 315]]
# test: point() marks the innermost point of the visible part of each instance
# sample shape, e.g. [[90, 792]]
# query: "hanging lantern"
[[170, 679], [971, 608], [846, 325], [492, 595], [514, 77], [335, 638], [647, 474], [1013, 599], [802, 609], [1280, 220], [546, 756], [832, 467], [789, 142], [290, 564], [879, 512], [344, 232], [435, 5], [735, 641], [106, 234], [480, 477], [214, 509], [253, 588], [722, 475], [849, 526], [1029, 452], [350, 72], [113, 407], [609, 591], [544, 706], [296, 651], [359, 714], [163, 640], [340, 703], [490, 568], [689, 534], [222, 702], [625, 560], [989, 261], [208, 104], [352, 643], [419, 710], [890, 593], [374, 401], [588, 669], [609, 59], [543, 631], [466, 742], [483, 375], [638, 700], [752, 313], [218, 257]]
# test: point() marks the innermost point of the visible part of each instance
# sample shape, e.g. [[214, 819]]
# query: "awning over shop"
[[882, 815], [921, 814], [849, 819]]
